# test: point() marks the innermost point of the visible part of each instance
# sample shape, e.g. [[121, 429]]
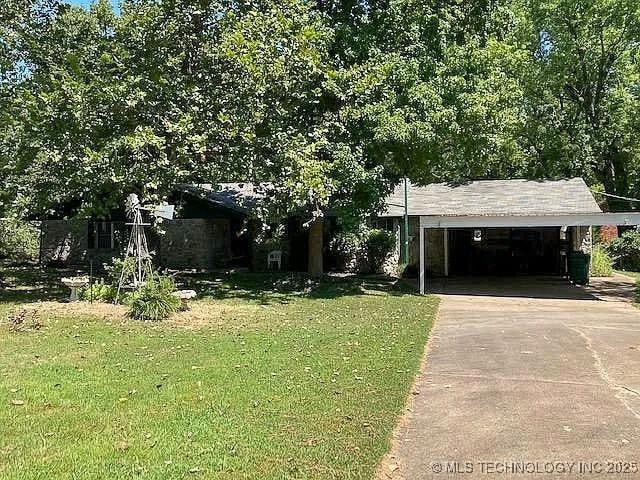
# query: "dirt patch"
[[107, 311], [203, 314], [200, 314]]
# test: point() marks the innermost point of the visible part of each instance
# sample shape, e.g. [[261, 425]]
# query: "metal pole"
[[422, 261], [91, 280], [406, 222]]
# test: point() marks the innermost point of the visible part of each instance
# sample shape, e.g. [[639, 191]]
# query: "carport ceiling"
[[499, 221]]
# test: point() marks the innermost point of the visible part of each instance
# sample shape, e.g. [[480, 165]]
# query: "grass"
[[30, 283], [285, 379], [636, 276]]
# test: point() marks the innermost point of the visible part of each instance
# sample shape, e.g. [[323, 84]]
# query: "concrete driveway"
[[526, 378]]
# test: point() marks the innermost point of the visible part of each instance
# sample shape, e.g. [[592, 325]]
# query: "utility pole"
[[406, 222]]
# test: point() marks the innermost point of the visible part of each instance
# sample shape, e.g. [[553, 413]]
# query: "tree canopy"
[[332, 101], [583, 90]]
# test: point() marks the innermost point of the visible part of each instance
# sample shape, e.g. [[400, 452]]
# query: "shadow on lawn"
[[32, 283], [266, 288]]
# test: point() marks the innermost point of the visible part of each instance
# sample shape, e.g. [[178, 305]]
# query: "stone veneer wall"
[[434, 246], [434, 249], [63, 242], [188, 243], [581, 239], [390, 266], [66, 242], [198, 243]]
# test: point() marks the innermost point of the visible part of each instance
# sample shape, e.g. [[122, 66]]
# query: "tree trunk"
[[315, 247], [615, 178]]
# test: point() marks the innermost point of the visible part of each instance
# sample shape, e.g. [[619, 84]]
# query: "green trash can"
[[579, 267]]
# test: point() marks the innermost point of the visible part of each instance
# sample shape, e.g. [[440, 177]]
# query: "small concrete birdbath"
[[184, 295], [74, 283]]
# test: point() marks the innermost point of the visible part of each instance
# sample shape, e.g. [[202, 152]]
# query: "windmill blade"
[[132, 204], [164, 211]]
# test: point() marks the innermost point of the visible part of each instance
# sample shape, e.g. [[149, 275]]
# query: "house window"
[[385, 223], [101, 236]]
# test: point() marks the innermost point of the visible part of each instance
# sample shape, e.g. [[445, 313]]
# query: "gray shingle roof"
[[236, 196], [495, 198]]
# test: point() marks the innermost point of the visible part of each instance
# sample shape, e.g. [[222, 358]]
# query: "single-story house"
[[487, 227], [493, 227], [212, 229]]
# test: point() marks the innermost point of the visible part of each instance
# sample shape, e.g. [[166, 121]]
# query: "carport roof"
[[495, 198]]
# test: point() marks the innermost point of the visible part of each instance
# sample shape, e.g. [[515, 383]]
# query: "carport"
[[576, 226], [495, 227]]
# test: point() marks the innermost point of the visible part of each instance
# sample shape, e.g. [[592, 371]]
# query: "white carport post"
[[422, 252]]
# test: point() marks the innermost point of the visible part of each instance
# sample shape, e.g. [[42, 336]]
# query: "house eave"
[[524, 221]]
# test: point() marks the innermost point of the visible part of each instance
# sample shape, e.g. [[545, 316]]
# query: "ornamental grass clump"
[[601, 262], [155, 300]]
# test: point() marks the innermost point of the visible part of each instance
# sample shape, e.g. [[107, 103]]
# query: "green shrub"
[[625, 251], [601, 262], [378, 244], [114, 270], [365, 251], [347, 249], [19, 240], [154, 300], [100, 292]]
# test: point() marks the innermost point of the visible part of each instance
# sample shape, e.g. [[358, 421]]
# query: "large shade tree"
[[331, 101], [106, 109], [437, 98], [583, 92], [183, 91], [283, 104], [19, 20]]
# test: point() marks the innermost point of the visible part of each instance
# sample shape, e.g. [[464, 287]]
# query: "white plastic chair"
[[274, 256]]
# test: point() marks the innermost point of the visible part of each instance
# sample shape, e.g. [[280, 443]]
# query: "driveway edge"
[[389, 467]]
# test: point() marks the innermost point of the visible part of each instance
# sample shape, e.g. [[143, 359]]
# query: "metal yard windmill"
[[138, 248]]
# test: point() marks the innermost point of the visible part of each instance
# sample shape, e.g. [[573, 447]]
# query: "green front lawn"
[[266, 378], [635, 275]]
